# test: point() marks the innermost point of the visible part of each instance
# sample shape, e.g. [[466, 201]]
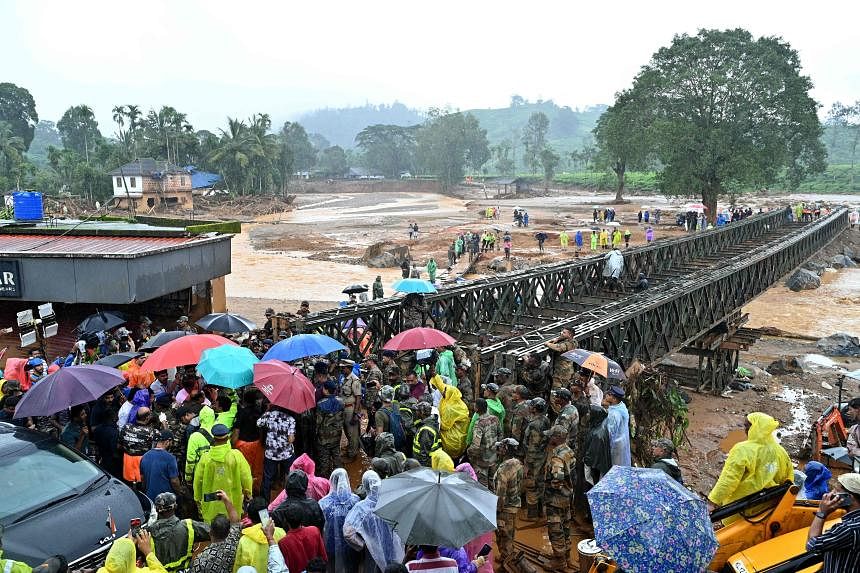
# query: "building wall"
[[172, 190], [134, 183]]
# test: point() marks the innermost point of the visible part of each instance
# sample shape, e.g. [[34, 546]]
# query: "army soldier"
[[350, 392], [535, 456], [508, 483], [568, 415], [562, 369], [558, 483], [519, 414], [329, 425], [465, 386], [372, 383], [535, 374], [482, 451]]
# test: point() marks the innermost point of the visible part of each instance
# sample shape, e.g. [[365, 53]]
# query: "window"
[[119, 181], [132, 181], [182, 181]]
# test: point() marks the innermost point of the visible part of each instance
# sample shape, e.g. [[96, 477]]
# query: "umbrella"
[[227, 366], [353, 323], [430, 507], [117, 360], [419, 339], [102, 320], [183, 350], [302, 346], [414, 285], [355, 289], [67, 387], [226, 322], [162, 338], [647, 521], [284, 385], [595, 361]]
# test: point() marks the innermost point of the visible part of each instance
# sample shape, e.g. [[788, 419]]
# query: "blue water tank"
[[27, 206]]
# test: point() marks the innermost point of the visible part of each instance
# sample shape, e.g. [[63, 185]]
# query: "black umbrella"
[[102, 320], [226, 323], [355, 289], [162, 338], [117, 360]]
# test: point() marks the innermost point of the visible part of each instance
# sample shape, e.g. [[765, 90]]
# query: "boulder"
[[498, 264], [815, 266], [784, 366], [842, 262], [848, 252], [803, 279], [839, 344], [383, 260]]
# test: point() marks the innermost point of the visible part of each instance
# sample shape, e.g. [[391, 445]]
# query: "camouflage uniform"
[[390, 461], [482, 451], [180, 441], [508, 483], [350, 392], [535, 378], [559, 482], [389, 366], [562, 369], [467, 390], [373, 381], [535, 458], [329, 424], [519, 418], [569, 418]]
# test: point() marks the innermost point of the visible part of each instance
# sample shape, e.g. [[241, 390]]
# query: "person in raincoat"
[[564, 239], [122, 557], [453, 417], [365, 531], [221, 468], [613, 269], [335, 506], [432, 267], [594, 237], [199, 441], [616, 238], [577, 239], [815, 484], [754, 464], [618, 426], [318, 487], [445, 365], [603, 239], [253, 548], [128, 411]]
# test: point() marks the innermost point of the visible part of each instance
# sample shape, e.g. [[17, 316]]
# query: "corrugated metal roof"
[[91, 246]]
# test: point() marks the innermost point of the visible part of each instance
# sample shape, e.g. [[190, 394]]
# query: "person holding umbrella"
[[618, 426], [558, 488]]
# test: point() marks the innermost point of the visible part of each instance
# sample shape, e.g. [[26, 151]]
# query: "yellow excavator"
[[747, 542]]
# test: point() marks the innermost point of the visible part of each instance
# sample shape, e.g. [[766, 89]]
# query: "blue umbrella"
[[227, 366], [302, 346], [414, 285], [646, 521]]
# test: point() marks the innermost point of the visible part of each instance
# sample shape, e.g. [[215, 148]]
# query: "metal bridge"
[[698, 283]]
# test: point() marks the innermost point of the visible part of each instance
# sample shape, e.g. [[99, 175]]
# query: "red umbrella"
[[419, 339], [284, 385], [183, 351]]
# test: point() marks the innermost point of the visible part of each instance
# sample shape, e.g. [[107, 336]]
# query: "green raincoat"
[[223, 468]]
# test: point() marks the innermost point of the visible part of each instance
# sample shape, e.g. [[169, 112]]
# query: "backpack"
[[395, 426]]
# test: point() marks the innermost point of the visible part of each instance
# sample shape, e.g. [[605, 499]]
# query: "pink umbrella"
[[183, 351], [419, 339], [284, 385]]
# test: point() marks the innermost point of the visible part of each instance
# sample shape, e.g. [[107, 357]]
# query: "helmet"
[[538, 404], [164, 501]]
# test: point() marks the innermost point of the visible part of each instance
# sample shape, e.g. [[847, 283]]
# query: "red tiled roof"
[[88, 245]]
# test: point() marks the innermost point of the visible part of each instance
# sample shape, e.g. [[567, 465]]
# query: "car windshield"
[[36, 476]]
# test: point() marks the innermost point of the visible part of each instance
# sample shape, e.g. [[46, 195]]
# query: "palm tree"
[[234, 154], [11, 148]]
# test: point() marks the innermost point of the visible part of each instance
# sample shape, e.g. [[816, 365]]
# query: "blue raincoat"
[[364, 529], [335, 507], [618, 426]]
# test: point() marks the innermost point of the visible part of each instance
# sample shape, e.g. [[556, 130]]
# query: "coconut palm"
[[11, 149]]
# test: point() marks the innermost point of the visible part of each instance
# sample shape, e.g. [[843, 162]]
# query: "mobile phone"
[[210, 496], [844, 499], [134, 526], [264, 517], [485, 550]]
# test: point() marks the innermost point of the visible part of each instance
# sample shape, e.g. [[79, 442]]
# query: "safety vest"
[[416, 445], [182, 562]]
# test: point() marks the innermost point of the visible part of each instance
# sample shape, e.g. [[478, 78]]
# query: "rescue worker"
[[199, 441], [173, 539], [221, 468], [373, 381], [562, 368], [519, 414], [405, 404], [453, 416], [377, 288], [754, 464], [350, 391], [568, 415], [508, 484], [388, 461], [426, 434], [465, 386], [558, 483], [494, 406], [535, 448], [329, 427], [535, 374], [482, 451], [183, 324]]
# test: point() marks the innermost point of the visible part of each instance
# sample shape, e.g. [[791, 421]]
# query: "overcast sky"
[[212, 59]]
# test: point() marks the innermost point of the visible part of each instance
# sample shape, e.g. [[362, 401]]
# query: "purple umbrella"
[[67, 387]]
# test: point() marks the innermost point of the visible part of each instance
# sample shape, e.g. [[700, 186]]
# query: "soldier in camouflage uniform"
[[405, 404], [562, 369], [535, 373], [373, 381], [465, 386], [482, 451], [329, 426], [559, 481], [508, 484], [518, 414], [177, 423], [389, 366], [568, 415], [388, 461], [535, 456]]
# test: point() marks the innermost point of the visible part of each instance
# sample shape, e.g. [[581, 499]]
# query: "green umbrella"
[[227, 366]]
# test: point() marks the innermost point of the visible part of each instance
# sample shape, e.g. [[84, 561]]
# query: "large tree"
[[79, 130], [11, 153], [847, 119], [448, 143], [730, 111], [549, 160], [332, 161], [534, 139], [389, 149], [623, 135], [18, 109]]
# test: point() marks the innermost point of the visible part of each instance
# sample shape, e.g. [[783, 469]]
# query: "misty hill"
[[340, 125]]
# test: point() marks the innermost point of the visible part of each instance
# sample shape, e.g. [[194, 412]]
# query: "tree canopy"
[[448, 143], [18, 109], [388, 149], [79, 129]]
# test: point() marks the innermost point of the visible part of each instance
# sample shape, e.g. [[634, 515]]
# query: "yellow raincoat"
[[453, 418], [754, 464], [253, 548], [198, 442], [121, 559], [439, 460], [14, 566], [224, 468]]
